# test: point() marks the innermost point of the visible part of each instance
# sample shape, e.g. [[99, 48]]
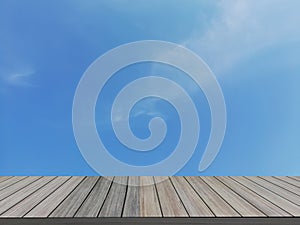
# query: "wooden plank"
[[176, 196], [4, 178], [149, 204], [218, 206], [283, 184], [114, 202], [194, 205], [289, 180], [252, 197], [170, 202], [16, 187], [45, 207], [296, 178], [92, 205], [236, 201], [132, 201], [71, 204], [10, 182], [288, 206], [277, 190], [18, 196], [28, 203]]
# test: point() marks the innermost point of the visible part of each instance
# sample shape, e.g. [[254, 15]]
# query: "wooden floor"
[[174, 197]]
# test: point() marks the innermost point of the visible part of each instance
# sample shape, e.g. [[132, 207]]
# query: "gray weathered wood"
[[93, 203], [71, 204], [10, 182], [170, 202], [236, 201], [277, 190], [23, 193], [289, 180], [114, 202], [32, 200], [218, 206], [4, 178], [149, 204], [274, 198], [296, 178], [45, 207], [252, 197], [4, 193], [194, 205], [132, 201], [140, 197], [287, 186]]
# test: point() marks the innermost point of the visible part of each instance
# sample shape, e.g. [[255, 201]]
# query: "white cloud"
[[22, 79], [243, 27]]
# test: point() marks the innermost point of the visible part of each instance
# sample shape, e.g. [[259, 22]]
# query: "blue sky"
[[252, 47]]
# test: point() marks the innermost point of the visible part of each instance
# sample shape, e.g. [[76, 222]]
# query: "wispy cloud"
[[243, 27], [19, 79]]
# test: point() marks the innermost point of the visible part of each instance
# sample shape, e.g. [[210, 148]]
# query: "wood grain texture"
[[194, 205], [93, 203], [277, 190], [140, 197], [32, 200], [252, 197], [218, 206], [170, 202], [287, 186], [236, 201], [132, 201], [45, 207], [71, 204], [4, 179], [6, 192], [10, 182], [296, 178], [114, 202], [289, 207], [149, 203], [289, 180], [18, 196]]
